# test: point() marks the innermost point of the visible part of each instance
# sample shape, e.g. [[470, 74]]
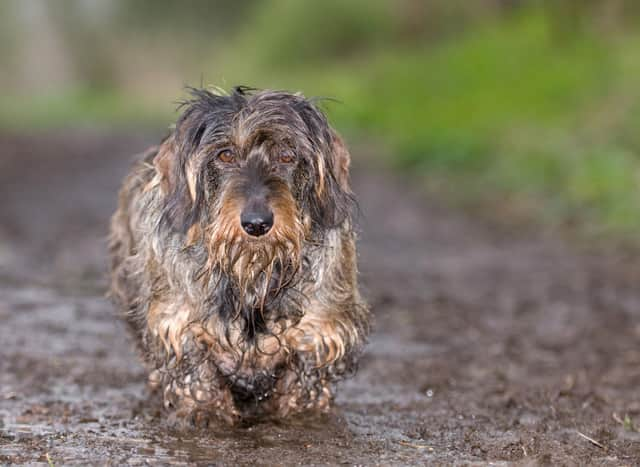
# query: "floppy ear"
[[179, 211], [341, 160], [332, 200], [165, 163]]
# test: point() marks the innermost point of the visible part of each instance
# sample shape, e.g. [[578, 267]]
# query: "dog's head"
[[253, 175]]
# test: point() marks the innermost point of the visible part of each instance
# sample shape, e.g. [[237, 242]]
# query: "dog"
[[233, 259]]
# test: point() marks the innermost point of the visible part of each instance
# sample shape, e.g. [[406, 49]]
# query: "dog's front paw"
[[196, 405], [196, 418]]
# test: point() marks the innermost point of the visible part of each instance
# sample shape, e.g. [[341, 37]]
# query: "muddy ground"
[[491, 344]]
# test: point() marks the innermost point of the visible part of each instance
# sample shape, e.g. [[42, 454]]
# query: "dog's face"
[[253, 176]]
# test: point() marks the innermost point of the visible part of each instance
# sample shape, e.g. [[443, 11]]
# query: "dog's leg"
[[198, 399], [301, 389], [323, 345], [195, 393], [323, 338], [191, 384]]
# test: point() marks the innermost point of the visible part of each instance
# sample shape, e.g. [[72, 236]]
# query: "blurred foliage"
[[169, 16], [503, 99], [290, 31]]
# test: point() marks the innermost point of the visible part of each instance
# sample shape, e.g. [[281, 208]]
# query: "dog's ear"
[[331, 200], [179, 197], [341, 160], [165, 163]]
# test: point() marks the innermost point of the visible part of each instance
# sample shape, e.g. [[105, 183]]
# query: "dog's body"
[[233, 258]]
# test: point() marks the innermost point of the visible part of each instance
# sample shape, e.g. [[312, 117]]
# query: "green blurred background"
[[531, 106]]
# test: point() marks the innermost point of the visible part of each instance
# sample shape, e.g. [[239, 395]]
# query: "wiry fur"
[[234, 326]]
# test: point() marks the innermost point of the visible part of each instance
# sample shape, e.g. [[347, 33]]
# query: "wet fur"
[[234, 327]]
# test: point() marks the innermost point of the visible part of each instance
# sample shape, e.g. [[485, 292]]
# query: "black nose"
[[256, 222]]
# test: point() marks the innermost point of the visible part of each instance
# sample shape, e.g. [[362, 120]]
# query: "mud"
[[491, 343]]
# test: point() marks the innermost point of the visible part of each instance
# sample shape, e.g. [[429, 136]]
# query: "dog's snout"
[[256, 221]]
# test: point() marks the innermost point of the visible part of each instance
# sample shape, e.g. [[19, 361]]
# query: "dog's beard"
[[257, 268], [258, 271]]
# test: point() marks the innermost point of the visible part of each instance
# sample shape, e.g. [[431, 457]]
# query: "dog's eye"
[[226, 156], [287, 157]]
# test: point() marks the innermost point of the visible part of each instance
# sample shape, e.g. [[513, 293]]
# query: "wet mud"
[[490, 343]]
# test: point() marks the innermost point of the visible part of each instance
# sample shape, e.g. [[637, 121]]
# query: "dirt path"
[[489, 345]]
